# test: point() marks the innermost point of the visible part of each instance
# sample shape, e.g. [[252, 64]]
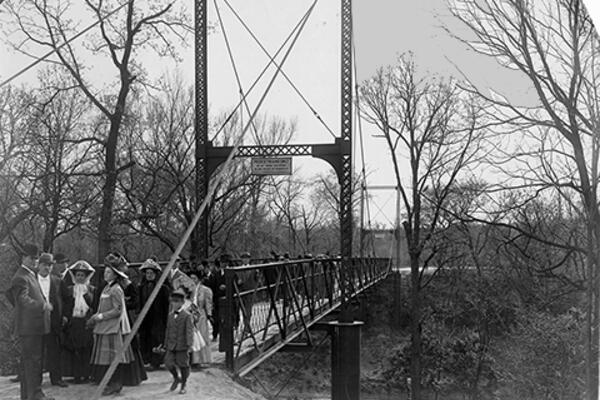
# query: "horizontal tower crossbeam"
[[329, 152]]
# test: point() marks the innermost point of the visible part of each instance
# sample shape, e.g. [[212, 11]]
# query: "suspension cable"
[[210, 193], [272, 58], [262, 73], [57, 48], [361, 140], [235, 71]]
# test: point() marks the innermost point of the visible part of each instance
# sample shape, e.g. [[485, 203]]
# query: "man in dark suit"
[[249, 282], [32, 321], [59, 268], [51, 289], [216, 283]]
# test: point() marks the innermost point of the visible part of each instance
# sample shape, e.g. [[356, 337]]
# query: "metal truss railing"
[[269, 306]]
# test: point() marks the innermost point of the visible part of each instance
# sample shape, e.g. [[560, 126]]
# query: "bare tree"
[[158, 189], [327, 190], [65, 167], [239, 191], [286, 197], [313, 216], [49, 176], [120, 37], [555, 47], [16, 110], [431, 123]]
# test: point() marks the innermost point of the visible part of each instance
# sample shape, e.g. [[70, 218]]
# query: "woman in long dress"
[[188, 286], [134, 373], [152, 330], [203, 300], [111, 325], [78, 302]]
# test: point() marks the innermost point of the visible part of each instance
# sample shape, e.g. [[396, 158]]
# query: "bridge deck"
[[268, 306]]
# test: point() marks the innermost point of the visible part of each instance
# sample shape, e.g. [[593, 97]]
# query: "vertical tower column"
[[199, 243], [345, 142], [362, 221]]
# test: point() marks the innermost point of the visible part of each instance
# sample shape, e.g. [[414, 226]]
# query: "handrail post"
[[329, 269], [228, 328], [285, 293], [314, 290]]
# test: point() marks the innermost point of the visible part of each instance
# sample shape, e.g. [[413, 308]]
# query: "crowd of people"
[[75, 329]]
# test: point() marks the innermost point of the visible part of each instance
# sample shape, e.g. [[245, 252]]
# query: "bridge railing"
[[268, 306]]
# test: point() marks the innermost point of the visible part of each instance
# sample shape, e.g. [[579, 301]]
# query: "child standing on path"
[[179, 339]]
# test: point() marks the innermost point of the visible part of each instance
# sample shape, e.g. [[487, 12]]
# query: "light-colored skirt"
[[106, 348], [197, 347], [204, 355], [199, 342]]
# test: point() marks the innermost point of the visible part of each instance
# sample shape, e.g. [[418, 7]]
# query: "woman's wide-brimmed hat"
[[151, 264], [117, 263], [81, 266]]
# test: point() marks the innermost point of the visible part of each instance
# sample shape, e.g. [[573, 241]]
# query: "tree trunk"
[[415, 328], [48, 238], [592, 337], [595, 339], [111, 172], [52, 223], [108, 192], [50, 232], [483, 339]]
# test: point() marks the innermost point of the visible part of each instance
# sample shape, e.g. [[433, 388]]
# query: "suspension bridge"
[[288, 300]]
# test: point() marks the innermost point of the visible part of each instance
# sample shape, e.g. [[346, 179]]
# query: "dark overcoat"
[[25, 294]]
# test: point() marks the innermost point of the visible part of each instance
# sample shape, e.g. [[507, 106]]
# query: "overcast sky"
[[383, 30]]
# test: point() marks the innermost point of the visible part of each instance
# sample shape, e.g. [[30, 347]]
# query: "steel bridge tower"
[[338, 154]]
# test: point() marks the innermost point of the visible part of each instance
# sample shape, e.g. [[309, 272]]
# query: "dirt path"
[[209, 384]]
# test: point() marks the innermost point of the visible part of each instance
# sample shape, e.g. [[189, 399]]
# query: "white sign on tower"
[[272, 166]]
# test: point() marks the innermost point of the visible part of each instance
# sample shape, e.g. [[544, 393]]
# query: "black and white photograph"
[[299, 199]]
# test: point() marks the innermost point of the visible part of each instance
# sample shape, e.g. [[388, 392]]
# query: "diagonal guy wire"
[[272, 58], [235, 70], [262, 73]]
